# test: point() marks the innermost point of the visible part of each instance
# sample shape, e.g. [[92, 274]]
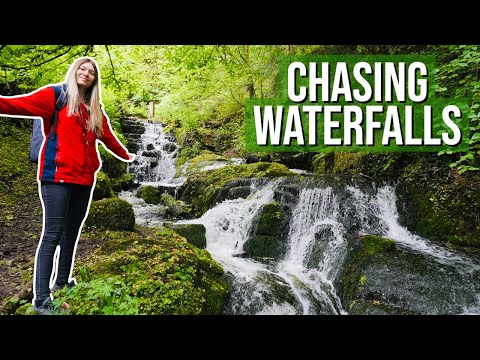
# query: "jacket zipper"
[[85, 136]]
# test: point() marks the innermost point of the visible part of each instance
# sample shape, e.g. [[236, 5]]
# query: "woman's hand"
[[131, 157]]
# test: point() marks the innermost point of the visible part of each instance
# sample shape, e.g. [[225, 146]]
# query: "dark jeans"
[[65, 207]]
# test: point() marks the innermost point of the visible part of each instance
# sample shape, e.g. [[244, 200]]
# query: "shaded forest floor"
[[20, 233]]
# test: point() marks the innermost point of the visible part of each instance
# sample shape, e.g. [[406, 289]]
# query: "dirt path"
[[18, 245]]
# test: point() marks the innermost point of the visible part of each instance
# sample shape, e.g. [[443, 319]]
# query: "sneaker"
[[46, 308], [56, 287]]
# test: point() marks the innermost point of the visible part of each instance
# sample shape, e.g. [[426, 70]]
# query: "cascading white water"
[[227, 226], [303, 281], [316, 211], [456, 273], [155, 161], [145, 214], [316, 247], [383, 206], [153, 166], [309, 291]]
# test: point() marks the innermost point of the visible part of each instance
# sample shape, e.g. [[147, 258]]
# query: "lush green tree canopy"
[[194, 84]]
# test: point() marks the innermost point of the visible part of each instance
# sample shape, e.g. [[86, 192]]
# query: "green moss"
[[124, 182], [154, 272], [111, 213], [202, 187], [266, 240], [194, 233], [112, 166], [149, 194], [438, 203], [202, 160], [346, 163], [352, 281], [175, 209], [269, 220], [17, 174], [264, 246], [373, 244], [318, 163], [103, 188]]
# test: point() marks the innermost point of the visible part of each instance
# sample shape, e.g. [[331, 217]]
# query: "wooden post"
[[151, 110]]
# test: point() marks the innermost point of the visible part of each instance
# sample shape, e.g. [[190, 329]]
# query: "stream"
[[321, 215]]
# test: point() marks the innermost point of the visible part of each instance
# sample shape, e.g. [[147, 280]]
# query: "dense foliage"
[[198, 87]]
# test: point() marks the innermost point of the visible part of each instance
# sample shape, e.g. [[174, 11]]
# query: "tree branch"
[[113, 67], [5, 66]]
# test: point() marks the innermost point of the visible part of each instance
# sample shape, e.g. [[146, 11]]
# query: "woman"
[[67, 170]]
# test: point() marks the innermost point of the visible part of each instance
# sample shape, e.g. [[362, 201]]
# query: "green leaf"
[[475, 136]]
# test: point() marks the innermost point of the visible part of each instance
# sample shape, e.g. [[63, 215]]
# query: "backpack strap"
[[60, 102]]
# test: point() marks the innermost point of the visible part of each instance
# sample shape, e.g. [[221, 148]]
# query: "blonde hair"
[[92, 95]]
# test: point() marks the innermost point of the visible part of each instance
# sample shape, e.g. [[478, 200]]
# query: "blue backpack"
[[37, 137]]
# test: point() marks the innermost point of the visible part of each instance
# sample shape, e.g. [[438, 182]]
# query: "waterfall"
[[228, 224], [303, 281], [324, 214], [154, 165], [155, 161], [317, 212], [302, 290], [383, 206]]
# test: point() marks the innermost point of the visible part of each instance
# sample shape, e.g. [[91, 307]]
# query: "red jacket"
[[74, 158]]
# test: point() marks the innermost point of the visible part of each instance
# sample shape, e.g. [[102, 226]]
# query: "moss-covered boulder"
[[239, 192], [268, 234], [103, 188], [352, 281], [269, 220], [175, 209], [381, 277], [263, 247], [150, 194], [146, 272], [194, 233], [112, 214], [205, 160], [124, 182], [201, 188], [112, 166]]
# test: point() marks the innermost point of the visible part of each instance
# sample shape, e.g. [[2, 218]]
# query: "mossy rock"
[[201, 188], [351, 280], [381, 278], [438, 203], [264, 246], [146, 272], [268, 234], [150, 194], [175, 209], [112, 214], [103, 188], [269, 220], [112, 166], [124, 182], [204, 159], [194, 233], [373, 244]]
